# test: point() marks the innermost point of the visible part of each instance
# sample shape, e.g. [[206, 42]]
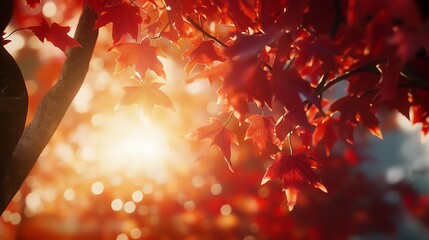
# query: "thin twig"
[[201, 29], [320, 90], [16, 30], [367, 67]]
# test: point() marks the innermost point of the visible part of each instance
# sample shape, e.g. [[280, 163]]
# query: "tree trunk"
[[51, 110]]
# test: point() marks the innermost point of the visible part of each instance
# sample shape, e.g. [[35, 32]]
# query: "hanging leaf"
[[147, 94], [219, 135], [361, 112], [56, 34], [141, 55], [293, 170], [261, 131], [125, 18], [202, 52]]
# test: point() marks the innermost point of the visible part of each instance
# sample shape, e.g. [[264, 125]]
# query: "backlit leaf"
[[56, 34], [261, 131], [359, 113], [147, 94], [141, 55], [125, 18], [293, 170], [202, 52], [219, 135]]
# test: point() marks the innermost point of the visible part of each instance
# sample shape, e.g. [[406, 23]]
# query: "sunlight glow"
[[405, 124], [226, 209], [97, 188], [410, 128], [136, 233], [117, 204], [33, 202], [137, 196], [124, 145], [216, 189], [122, 236], [16, 44], [49, 9], [69, 194], [129, 207]]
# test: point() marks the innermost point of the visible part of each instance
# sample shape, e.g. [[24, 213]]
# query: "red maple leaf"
[[401, 102], [322, 50], [321, 21], [287, 126], [246, 46], [408, 43], [293, 170], [220, 137], [389, 79], [176, 11], [142, 55], [270, 11], [246, 82], [212, 73], [56, 34], [33, 3], [147, 95], [242, 13], [287, 86], [125, 18], [292, 18], [360, 83], [326, 133], [202, 52], [360, 112], [261, 130], [420, 109]]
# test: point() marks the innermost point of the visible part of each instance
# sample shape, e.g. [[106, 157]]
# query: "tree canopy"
[[286, 91]]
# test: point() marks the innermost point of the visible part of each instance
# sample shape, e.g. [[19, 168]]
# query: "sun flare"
[[129, 145]]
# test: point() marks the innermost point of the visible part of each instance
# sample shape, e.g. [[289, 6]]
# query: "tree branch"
[[369, 67], [51, 110], [201, 29]]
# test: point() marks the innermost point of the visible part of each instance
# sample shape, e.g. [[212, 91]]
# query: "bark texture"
[[51, 110]]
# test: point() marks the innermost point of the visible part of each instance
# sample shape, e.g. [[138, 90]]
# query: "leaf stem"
[[16, 30], [229, 119]]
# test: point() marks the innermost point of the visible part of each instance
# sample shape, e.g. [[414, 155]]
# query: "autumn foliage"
[[295, 79], [281, 56]]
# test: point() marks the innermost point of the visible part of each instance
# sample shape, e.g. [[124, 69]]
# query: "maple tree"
[[279, 68]]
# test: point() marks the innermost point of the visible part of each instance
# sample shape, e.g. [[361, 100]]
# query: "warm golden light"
[[127, 145]]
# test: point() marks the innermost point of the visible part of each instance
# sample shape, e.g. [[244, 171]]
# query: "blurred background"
[[113, 173]]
